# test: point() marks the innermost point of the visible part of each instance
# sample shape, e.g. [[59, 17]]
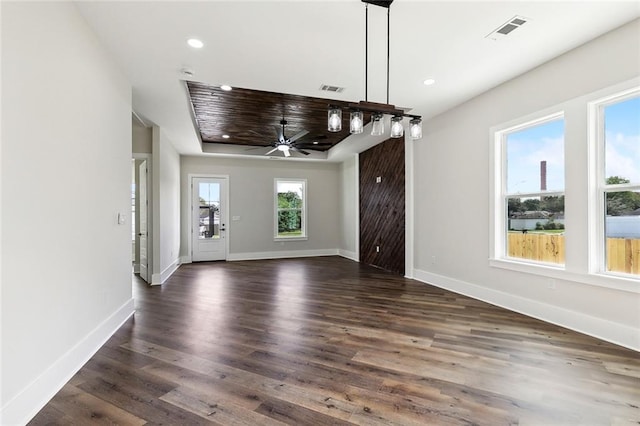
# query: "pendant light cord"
[[366, 52], [388, 27]]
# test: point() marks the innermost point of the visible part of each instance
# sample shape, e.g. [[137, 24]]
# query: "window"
[[618, 137], [209, 210], [531, 227], [290, 205]]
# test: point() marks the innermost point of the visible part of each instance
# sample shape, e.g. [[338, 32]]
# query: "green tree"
[[289, 200], [531, 204], [514, 206], [622, 202], [289, 212], [552, 204]]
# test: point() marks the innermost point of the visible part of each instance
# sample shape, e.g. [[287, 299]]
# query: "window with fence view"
[[290, 208], [620, 191], [533, 191]]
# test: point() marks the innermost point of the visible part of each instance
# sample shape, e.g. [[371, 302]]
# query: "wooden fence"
[[623, 254], [540, 247]]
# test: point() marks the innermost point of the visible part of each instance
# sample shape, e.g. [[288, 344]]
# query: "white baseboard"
[[157, 279], [185, 259], [352, 255], [24, 406], [136, 268], [281, 254], [603, 329]]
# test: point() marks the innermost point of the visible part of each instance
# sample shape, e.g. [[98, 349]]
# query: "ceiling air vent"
[[328, 88], [506, 28]]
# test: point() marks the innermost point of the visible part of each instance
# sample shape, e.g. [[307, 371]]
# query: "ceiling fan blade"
[[280, 133], [286, 153], [273, 150], [298, 136], [309, 143], [301, 151]]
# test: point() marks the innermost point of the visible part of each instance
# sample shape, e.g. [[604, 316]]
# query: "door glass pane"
[[622, 227], [209, 216]]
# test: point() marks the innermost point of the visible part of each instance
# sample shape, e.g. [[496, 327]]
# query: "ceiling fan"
[[284, 144]]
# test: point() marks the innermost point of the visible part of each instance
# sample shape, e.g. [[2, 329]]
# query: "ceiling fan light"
[[356, 122], [397, 129], [415, 128], [377, 125], [334, 121], [283, 148]]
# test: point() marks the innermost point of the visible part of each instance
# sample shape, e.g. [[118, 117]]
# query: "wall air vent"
[[329, 88], [506, 28]]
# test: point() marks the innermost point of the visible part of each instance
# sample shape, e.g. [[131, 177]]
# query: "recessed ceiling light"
[[195, 43], [429, 82], [315, 142], [225, 136], [226, 87]]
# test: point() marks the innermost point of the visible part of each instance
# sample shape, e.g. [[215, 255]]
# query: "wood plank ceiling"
[[249, 117]]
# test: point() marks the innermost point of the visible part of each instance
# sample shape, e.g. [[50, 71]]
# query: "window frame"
[[580, 130], [599, 187], [303, 210], [499, 249]]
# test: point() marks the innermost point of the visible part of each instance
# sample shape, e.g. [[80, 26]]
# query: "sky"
[[526, 148], [290, 186], [209, 192], [622, 136]]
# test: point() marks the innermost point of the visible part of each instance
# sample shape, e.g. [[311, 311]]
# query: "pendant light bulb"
[[397, 130], [377, 125], [416, 129], [356, 122], [334, 122]]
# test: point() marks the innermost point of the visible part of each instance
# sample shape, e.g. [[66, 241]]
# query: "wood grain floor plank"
[[325, 340], [214, 409], [86, 409]]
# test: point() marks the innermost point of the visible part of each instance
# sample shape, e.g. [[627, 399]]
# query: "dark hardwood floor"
[[327, 341]]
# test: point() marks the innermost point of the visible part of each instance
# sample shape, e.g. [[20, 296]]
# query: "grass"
[[290, 234], [542, 231]]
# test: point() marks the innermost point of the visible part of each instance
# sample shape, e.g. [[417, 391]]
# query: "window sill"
[[616, 282], [303, 238]]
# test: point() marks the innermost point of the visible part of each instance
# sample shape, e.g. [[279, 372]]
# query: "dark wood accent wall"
[[382, 206]]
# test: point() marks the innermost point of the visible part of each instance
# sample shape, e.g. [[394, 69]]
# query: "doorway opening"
[[140, 220]]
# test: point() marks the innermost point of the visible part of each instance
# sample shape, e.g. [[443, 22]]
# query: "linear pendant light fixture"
[[377, 110]]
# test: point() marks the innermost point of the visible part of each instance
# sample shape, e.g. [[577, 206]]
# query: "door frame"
[[150, 254], [225, 210]]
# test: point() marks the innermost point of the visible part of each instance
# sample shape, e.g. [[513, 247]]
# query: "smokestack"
[[543, 175]]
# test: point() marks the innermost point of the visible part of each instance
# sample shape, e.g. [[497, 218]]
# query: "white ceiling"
[[295, 46]]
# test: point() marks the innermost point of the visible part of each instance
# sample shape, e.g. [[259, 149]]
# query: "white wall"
[[251, 186], [66, 174], [452, 186], [350, 208], [141, 140], [166, 207]]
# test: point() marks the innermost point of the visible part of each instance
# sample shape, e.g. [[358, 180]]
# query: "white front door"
[[208, 221], [143, 231]]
